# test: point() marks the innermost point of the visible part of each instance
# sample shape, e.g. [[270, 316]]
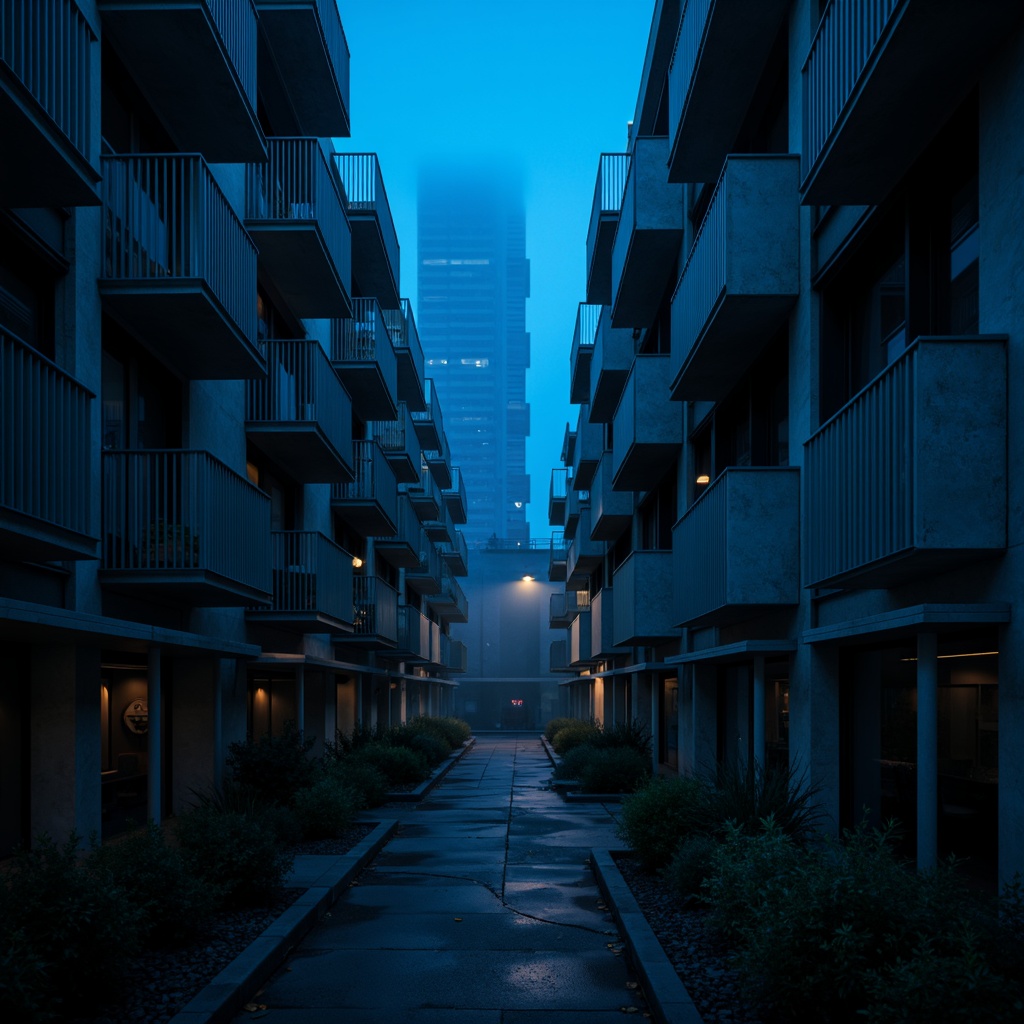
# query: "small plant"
[[691, 864], [656, 818], [556, 725], [423, 739], [574, 735], [614, 770], [273, 768], [326, 808], [633, 735], [454, 730]]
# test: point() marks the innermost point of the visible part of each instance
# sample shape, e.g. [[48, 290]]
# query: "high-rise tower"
[[474, 279]]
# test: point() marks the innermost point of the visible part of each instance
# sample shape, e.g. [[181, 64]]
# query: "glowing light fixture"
[[527, 578], [357, 562], [703, 479]]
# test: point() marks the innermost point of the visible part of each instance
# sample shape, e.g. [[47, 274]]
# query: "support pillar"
[[300, 699], [927, 750], [154, 735], [757, 728]]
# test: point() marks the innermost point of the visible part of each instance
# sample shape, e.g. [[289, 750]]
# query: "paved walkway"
[[482, 910]]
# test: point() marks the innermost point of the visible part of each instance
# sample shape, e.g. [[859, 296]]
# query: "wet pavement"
[[482, 910]]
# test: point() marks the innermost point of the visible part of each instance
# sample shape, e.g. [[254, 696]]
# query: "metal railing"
[[298, 184], [432, 414], [455, 550], [395, 435], [364, 187], [357, 340], [300, 387], [684, 57], [404, 335], [374, 479], [45, 439], [166, 217], [456, 494], [452, 595], [429, 568], [375, 608], [49, 46], [184, 510], [236, 23], [559, 488], [336, 45], [311, 574], [612, 171], [414, 632], [847, 36], [588, 318]]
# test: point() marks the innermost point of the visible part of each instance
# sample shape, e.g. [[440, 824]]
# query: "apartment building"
[[791, 524], [222, 503]]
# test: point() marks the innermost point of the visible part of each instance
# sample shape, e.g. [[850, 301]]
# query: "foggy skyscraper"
[[473, 282]]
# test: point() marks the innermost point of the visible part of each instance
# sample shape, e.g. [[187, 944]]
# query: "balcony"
[[178, 268], [880, 79], [458, 657], [588, 447], [614, 349], [647, 238], [401, 447], [440, 462], [181, 527], [208, 105], [737, 548], [48, 65], [409, 352], [455, 554], [558, 657], [611, 510], [557, 493], [558, 553], [442, 528], [584, 555], [299, 414], [740, 279], [574, 502], [312, 584], [566, 606], [587, 317], [581, 640], [424, 495], [450, 604], [909, 477], [602, 641], [365, 360], [429, 423], [306, 42], [454, 496], [425, 578], [648, 427], [369, 504], [612, 169], [375, 614], [295, 213], [402, 548], [642, 600], [414, 634], [375, 251], [45, 455], [720, 55]]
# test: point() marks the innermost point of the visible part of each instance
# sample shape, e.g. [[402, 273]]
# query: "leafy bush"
[[273, 768], [571, 764], [25, 990], [556, 725], [633, 735], [65, 919], [237, 853], [454, 731], [573, 735], [326, 808], [615, 770], [369, 784], [423, 739], [399, 765], [656, 818], [691, 864], [174, 904]]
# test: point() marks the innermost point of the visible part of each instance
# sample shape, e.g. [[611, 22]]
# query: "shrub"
[[399, 765], [422, 738], [173, 903], [633, 735], [571, 764], [656, 818], [454, 731], [25, 990], [615, 770], [368, 783], [238, 854], [574, 735], [326, 808], [556, 725], [273, 768], [690, 864]]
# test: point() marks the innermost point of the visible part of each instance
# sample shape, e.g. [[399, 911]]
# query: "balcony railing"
[[425, 577], [588, 316], [400, 444], [375, 609], [295, 209], [450, 602], [456, 554], [178, 266], [612, 171], [557, 492], [299, 413], [364, 356], [610, 510], [557, 554], [910, 474], [692, 26], [45, 452], [455, 496], [648, 432], [429, 423], [425, 495], [369, 503], [184, 516], [402, 325], [402, 548], [414, 634]]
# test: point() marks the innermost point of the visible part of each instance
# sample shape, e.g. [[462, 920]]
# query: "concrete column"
[[758, 724], [653, 688], [927, 750], [300, 699], [599, 713], [686, 736], [154, 735], [705, 718]]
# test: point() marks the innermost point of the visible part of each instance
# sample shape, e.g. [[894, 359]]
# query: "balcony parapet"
[[585, 554], [642, 599], [581, 643], [375, 612], [364, 357], [612, 170], [614, 349], [648, 427], [587, 449], [406, 339], [458, 657], [564, 607], [429, 423], [402, 549], [588, 316], [602, 618], [369, 503], [557, 555], [397, 438], [414, 634], [558, 491], [455, 497], [611, 510], [455, 554]]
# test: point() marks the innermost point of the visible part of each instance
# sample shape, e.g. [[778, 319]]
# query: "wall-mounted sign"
[[517, 702], [136, 717]]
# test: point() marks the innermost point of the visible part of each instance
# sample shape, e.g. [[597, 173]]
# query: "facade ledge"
[[739, 651], [919, 618]]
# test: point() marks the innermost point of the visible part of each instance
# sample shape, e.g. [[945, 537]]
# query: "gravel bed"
[[700, 961], [159, 983]]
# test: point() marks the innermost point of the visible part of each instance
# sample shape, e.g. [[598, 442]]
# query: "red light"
[[517, 702]]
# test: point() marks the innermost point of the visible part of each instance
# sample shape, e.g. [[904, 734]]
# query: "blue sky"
[[550, 83]]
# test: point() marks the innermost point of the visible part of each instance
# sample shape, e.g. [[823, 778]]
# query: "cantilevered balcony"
[[364, 358], [642, 600], [424, 495], [581, 639], [454, 496], [440, 462], [587, 449], [574, 502], [409, 352], [49, 59], [375, 614], [178, 269], [455, 554], [369, 504], [602, 617], [299, 413], [557, 493], [647, 238], [740, 279], [295, 213], [397, 439], [587, 317], [312, 584], [429, 423], [648, 427], [909, 477], [612, 169], [180, 526], [442, 528], [880, 79], [611, 510], [450, 603], [206, 100], [375, 251], [414, 634], [558, 553], [45, 451], [402, 548], [564, 607], [585, 554], [614, 349], [737, 548], [558, 657], [305, 41], [720, 55], [425, 577], [458, 657]]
